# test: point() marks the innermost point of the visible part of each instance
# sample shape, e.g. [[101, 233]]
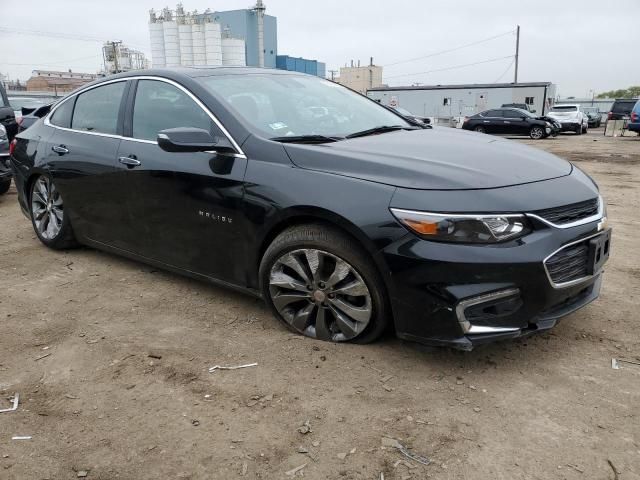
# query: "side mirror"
[[189, 139]]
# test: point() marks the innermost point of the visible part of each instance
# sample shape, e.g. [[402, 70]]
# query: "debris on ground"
[[82, 473], [575, 467], [219, 367], [14, 407], [21, 437], [294, 471], [155, 356], [303, 450], [315, 443], [305, 428], [614, 364], [393, 443], [41, 357], [615, 470], [245, 467], [341, 456]]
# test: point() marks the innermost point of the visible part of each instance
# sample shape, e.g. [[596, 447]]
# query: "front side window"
[[97, 109], [160, 105], [493, 113], [277, 105]]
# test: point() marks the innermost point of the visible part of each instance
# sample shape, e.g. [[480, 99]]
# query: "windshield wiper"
[[306, 139], [381, 129]]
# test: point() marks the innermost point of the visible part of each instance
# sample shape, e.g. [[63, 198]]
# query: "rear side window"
[[513, 114], [62, 116], [159, 106], [97, 110], [492, 113]]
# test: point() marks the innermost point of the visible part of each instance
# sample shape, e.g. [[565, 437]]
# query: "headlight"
[[3, 132], [463, 228], [548, 124]]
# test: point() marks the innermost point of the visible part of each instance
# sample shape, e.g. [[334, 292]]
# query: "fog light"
[[486, 308]]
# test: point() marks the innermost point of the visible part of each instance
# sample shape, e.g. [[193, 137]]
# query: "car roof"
[[566, 105], [195, 72]]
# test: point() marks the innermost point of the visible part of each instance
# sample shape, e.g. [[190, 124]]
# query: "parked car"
[[8, 129], [411, 117], [621, 108], [345, 224], [512, 121], [594, 117], [25, 105], [634, 120], [571, 118], [521, 106]]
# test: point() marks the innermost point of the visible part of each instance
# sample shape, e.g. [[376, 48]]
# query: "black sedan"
[[344, 217], [509, 121]]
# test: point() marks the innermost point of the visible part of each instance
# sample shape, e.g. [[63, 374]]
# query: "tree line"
[[630, 92]]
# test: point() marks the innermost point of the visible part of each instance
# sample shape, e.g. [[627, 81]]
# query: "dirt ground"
[[124, 389]]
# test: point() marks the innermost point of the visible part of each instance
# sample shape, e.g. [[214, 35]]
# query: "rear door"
[[186, 207], [492, 121], [82, 155]]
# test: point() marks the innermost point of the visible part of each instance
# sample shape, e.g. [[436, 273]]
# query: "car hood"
[[433, 159]]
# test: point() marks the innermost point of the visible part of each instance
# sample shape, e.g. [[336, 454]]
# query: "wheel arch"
[[315, 215]]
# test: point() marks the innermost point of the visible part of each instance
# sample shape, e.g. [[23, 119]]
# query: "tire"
[[5, 185], [536, 133], [579, 130], [306, 303], [46, 210], [480, 129]]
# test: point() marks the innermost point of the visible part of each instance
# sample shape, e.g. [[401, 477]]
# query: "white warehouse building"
[[456, 101], [189, 39]]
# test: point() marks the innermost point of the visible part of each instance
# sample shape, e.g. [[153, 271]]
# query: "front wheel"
[[536, 133], [322, 284], [50, 223]]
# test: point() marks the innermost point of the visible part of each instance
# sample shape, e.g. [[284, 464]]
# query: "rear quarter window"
[[61, 117]]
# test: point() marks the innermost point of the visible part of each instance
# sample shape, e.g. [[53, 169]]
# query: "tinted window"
[[565, 108], [517, 114], [159, 106], [62, 116], [623, 107], [492, 113], [97, 110]]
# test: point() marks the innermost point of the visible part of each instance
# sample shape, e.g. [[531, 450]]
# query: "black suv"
[[512, 121], [8, 129], [622, 108]]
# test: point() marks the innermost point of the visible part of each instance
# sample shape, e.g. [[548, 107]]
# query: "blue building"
[[244, 24], [302, 65]]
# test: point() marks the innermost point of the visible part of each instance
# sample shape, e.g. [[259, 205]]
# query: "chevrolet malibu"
[[347, 219]]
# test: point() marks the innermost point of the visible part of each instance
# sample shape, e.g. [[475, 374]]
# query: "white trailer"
[[458, 101]]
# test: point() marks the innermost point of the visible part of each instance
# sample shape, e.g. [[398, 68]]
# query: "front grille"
[[571, 263], [570, 213]]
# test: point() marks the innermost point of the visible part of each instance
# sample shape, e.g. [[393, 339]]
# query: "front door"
[[186, 207], [515, 123]]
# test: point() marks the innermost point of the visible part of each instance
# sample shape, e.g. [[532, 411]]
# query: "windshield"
[[296, 105], [565, 108]]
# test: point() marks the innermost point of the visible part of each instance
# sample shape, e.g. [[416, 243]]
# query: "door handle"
[[130, 162], [60, 149]]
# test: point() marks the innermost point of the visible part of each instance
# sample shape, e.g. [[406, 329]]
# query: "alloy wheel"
[[46, 208], [537, 133], [320, 295]]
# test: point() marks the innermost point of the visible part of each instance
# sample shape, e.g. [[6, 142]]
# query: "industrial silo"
[[171, 44], [199, 52], [185, 42], [213, 43], [233, 52], [156, 33]]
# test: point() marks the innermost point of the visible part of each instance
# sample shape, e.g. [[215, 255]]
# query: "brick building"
[[58, 82]]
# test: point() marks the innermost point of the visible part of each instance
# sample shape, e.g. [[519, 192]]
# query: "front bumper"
[[433, 283]]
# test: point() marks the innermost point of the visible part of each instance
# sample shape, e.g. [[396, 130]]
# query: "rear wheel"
[[579, 130], [4, 185], [47, 215], [536, 133], [480, 129], [321, 284], [585, 129]]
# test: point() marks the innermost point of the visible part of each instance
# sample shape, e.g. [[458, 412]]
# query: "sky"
[[583, 47]]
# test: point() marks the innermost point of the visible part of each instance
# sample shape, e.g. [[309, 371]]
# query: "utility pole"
[[333, 75], [115, 45], [517, 53]]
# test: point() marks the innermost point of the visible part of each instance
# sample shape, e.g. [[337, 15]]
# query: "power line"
[[452, 67], [65, 36], [505, 72], [52, 63], [435, 54]]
